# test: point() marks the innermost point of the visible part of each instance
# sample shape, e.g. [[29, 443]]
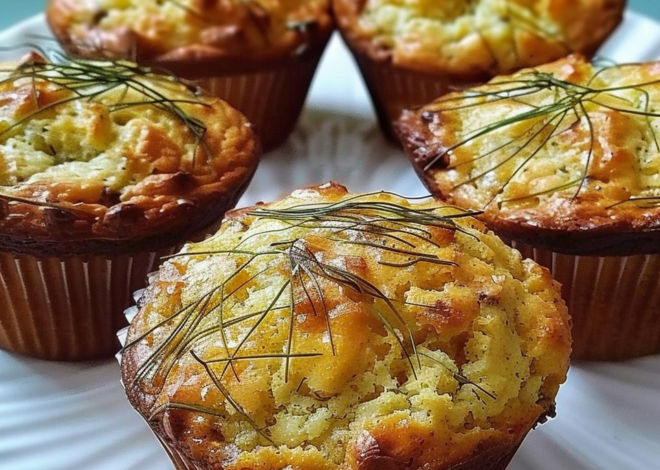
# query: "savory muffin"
[[413, 52], [563, 160], [259, 55], [103, 168], [332, 330]]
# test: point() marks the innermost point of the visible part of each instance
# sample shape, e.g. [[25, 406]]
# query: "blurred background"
[[16, 10]]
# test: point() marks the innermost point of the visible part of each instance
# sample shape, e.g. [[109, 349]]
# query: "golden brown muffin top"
[[98, 156], [333, 330], [476, 38], [566, 149], [220, 33]]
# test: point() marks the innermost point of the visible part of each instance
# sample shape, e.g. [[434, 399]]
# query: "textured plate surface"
[[75, 417]]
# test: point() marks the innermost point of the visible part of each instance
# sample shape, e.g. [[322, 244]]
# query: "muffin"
[[259, 55], [104, 168], [564, 162], [332, 330], [415, 51]]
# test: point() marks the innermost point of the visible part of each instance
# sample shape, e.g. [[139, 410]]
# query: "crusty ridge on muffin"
[[97, 157], [217, 33], [341, 331], [567, 149], [473, 39]]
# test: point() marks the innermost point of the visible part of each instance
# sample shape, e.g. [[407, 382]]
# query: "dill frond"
[[542, 108], [399, 235], [118, 85], [95, 80]]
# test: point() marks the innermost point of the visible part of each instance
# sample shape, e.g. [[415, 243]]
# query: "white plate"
[[75, 417]]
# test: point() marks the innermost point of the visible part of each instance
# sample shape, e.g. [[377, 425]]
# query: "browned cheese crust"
[[333, 331], [193, 38], [470, 40], [99, 158], [565, 156]]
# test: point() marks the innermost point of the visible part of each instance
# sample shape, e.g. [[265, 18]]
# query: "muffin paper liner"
[[182, 462], [614, 301], [271, 99], [68, 309], [505, 460], [394, 89], [179, 460]]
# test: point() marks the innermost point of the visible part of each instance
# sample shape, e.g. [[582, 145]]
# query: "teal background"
[[17, 10]]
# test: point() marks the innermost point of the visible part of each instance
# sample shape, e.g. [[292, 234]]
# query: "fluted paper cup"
[[614, 301], [272, 99], [68, 309], [182, 462], [393, 89]]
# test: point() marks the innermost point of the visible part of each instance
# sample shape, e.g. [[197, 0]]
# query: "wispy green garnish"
[[93, 80], [541, 108], [294, 265], [119, 85], [643, 202]]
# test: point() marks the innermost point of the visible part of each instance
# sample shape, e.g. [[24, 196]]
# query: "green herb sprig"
[[548, 106], [93, 80], [378, 225], [97, 81]]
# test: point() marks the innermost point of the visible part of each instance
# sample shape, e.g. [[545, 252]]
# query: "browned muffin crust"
[[564, 156], [475, 40], [339, 331], [90, 166], [193, 38]]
